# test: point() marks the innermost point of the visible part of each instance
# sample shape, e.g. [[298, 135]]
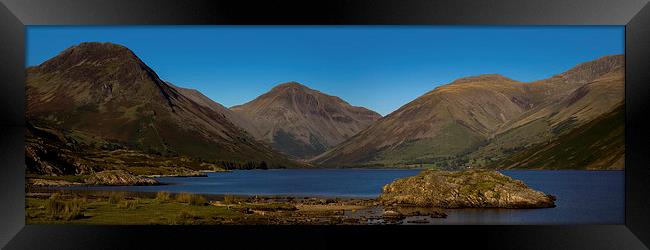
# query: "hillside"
[[480, 121], [105, 91], [302, 122]]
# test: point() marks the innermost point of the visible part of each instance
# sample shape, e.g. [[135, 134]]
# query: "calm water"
[[583, 197]]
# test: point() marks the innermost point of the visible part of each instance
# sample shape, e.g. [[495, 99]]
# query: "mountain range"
[[96, 105], [104, 91], [493, 121]]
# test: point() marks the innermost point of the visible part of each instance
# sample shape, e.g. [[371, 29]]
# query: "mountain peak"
[[483, 78], [95, 72], [91, 52], [588, 71], [100, 50], [104, 90], [303, 122], [289, 85], [100, 45]]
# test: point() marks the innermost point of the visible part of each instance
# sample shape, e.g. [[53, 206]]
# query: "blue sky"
[[378, 67]]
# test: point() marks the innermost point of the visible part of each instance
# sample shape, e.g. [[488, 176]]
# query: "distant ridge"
[[483, 121]]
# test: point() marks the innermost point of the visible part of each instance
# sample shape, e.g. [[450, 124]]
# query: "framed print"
[[170, 124]]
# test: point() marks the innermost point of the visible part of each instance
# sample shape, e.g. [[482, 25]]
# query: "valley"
[[97, 107], [110, 142]]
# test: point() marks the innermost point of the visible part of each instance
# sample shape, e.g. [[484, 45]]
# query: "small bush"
[[128, 204], [58, 209], [115, 198], [163, 196], [230, 199], [183, 197], [197, 200], [192, 199]]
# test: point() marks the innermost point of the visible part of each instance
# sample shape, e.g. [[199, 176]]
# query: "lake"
[[583, 197]]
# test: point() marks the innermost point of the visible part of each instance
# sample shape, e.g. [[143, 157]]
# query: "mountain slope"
[[598, 144], [444, 122], [205, 101], [105, 90], [303, 122], [476, 121], [589, 102]]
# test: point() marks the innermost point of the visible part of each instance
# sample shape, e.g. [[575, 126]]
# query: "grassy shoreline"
[[129, 208], [47, 205]]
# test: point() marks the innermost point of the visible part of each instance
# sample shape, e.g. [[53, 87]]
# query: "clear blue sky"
[[378, 67]]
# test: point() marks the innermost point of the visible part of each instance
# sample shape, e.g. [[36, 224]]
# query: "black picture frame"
[[15, 14]]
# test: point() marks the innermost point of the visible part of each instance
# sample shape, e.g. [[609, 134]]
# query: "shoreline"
[[60, 181], [246, 210], [241, 215], [391, 168]]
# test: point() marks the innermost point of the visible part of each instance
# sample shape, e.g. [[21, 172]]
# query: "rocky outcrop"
[[463, 189], [118, 178], [37, 182]]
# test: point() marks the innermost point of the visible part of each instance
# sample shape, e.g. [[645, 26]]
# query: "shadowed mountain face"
[[105, 91], [482, 121], [303, 122]]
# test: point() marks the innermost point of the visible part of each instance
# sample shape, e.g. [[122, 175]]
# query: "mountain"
[[206, 102], [484, 120], [598, 144], [104, 91], [303, 122], [595, 104]]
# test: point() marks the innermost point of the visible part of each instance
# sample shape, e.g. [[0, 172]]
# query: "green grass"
[[56, 208], [163, 196], [231, 199], [192, 199], [186, 217], [148, 211], [452, 141], [597, 144], [505, 144], [129, 204], [115, 197]]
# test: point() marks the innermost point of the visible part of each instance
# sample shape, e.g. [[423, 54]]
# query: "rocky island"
[[119, 177], [463, 189]]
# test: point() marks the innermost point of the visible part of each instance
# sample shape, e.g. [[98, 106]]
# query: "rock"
[[420, 221], [419, 211], [393, 215], [351, 220], [117, 178], [180, 172], [438, 215], [463, 189], [46, 182]]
